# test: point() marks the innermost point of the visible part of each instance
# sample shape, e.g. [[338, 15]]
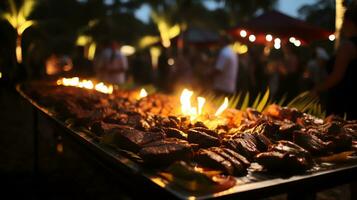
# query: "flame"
[[87, 84], [223, 107], [143, 93], [200, 103], [101, 87], [186, 107]]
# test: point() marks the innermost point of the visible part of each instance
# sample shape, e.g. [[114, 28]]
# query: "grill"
[[253, 185]]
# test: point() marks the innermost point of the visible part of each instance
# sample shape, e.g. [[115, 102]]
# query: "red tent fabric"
[[282, 26]]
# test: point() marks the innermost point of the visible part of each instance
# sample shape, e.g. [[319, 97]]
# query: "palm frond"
[[245, 103], [264, 101], [256, 101]]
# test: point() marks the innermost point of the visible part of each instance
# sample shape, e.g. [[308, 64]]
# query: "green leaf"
[[264, 101]]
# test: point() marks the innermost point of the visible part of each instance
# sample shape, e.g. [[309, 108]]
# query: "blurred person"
[[290, 72], [111, 65], [341, 81], [316, 67], [226, 69]]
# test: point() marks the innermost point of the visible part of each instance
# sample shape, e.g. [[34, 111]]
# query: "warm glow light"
[[83, 40], [0, 75], [186, 107], [252, 38], [277, 40], [200, 103], [277, 45], [332, 37], [155, 54], [19, 53], [171, 61], [101, 87], [297, 43], [143, 93], [223, 107], [292, 39], [269, 37], [239, 48], [87, 84], [243, 33], [127, 50], [91, 51]]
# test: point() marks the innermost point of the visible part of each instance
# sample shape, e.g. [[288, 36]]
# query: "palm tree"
[[18, 19]]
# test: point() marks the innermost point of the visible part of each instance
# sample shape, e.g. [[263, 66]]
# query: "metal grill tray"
[[253, 185]]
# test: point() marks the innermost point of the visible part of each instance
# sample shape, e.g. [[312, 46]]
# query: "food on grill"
[[311, 143], [197, 179], [154, 128], [222, 159], [204, 137], [285, 156], [163, 152], [132, 139]]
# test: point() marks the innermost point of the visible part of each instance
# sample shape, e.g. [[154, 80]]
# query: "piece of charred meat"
[[175, 133], [222, 159], [286, 157], [164, 152], [132, 139], [244, 143], [312, 143], [203, 137]]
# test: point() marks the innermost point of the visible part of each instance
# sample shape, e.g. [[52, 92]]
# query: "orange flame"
[[87, 84], [223, 107], [143, 93]]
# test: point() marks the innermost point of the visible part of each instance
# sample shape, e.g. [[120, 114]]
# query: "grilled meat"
[[244, 144], [202, 136], [285, 156], [311, 143], [164, 152], [132, 139]]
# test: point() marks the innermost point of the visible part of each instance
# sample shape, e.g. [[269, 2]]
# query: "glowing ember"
[[143, 93], [222, 108], [87, 84]]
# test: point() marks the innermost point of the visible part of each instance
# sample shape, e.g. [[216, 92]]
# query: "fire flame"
[[222, 108], [194, 112], [143, 93], [87, 84]]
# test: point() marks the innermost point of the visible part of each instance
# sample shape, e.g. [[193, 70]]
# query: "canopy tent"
[[279, 25]]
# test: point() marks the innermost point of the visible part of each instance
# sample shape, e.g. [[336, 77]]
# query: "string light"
[[269, 37], [332, 37], [252, 38], [243, 33]]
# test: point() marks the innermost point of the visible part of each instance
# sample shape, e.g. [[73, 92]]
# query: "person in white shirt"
[[226, 70], [111, 65]]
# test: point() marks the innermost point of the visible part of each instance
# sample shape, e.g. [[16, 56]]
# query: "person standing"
[[226, 70], [111, 64], [341, 81]]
